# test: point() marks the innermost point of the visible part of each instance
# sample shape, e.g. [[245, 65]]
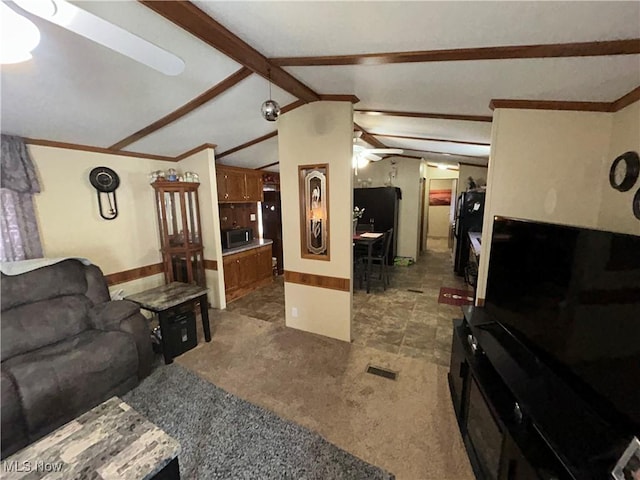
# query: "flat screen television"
[[572, 295]]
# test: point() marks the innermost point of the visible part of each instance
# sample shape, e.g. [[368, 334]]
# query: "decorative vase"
[[355, 225]]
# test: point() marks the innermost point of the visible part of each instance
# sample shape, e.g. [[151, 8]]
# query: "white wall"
[[553, 166], [439, 217], [407, 178], [68, 218], [317, 133], [203, 163]]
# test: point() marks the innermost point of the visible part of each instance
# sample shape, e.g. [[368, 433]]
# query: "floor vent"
[[414, 290], [382, 372]]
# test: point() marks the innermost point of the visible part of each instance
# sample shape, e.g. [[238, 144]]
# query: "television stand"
[[519, 419]]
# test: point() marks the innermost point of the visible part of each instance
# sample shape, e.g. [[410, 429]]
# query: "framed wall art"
[[314, 211]]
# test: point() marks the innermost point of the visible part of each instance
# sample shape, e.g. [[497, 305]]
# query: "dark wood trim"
[[319, 281], [188, 107], [210, 264], [90, 148], [441, 116], [267, 166], [475, 157], [626, 100], [292, 106], [189, 17], [551, 105], [428, 139], [195, 150], [247, 144], [473, 165], [134, 274], [553, 50], [367, 137], [339, 98]]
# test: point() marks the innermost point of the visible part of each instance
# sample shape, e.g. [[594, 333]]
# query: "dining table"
[[368, 239]]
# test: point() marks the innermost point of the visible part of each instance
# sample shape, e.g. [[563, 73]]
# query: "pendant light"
[[270, 108]]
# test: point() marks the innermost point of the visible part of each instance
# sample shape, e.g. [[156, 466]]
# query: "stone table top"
[[166, 296], [111, 441]]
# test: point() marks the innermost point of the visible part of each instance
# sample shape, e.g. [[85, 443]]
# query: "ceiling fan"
[[96, 29], [363, 155]]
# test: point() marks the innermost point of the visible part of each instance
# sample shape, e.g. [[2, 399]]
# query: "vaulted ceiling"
[[422, 74]]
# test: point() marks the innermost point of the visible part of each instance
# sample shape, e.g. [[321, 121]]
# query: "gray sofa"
[[66, 347]]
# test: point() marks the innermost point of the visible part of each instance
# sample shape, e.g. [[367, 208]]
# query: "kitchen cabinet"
[[238, 184], [246, 271]]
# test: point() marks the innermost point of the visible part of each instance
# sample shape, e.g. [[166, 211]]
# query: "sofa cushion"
[[14, 431], [63, 278], [65, 379], [35, 325]]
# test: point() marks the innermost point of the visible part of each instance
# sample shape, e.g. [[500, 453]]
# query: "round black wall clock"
[[636, 204], [624, 172]]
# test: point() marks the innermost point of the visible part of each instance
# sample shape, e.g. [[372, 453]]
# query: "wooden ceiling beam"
[[189, 17], [555, 50], [267, 166], [440, 116], [91, 148], [370, 139], [195, 150], [551, 105], [247, 144], [626, 100], [447, 154], [428, 139], [188, 107]]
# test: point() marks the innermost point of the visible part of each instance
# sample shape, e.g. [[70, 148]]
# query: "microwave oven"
[[236, 237]]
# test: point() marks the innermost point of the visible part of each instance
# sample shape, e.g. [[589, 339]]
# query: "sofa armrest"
[[125, 316], [108, 315]]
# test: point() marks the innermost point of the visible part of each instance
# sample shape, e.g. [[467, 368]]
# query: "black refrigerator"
[[469, 213], [381, 205]]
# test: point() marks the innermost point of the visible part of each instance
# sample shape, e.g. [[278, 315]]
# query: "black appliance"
[[469, 214], [236, 237], [272, 225], [381, 206], [180, 331]]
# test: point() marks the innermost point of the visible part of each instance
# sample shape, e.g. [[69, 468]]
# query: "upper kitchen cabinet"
[[238, 184]]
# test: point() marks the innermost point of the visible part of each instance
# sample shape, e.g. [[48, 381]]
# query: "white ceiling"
[[80, 92]]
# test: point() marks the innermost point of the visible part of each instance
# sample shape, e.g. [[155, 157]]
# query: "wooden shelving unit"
[[178, 211]]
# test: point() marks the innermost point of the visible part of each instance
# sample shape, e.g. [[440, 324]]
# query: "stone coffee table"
[[109, 442], [168, 299]]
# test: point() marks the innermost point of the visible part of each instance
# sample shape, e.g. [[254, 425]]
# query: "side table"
[[166, 299]]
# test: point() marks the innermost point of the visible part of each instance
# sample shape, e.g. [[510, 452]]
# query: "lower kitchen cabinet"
[[246, 271]]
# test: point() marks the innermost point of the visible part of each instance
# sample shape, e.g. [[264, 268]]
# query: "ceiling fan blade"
[[94, 28], [385, 151], [372, 156]]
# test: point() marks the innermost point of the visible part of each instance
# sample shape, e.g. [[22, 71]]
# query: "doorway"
[[441, 209]]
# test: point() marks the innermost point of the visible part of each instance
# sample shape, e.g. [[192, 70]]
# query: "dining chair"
[[380, 257]]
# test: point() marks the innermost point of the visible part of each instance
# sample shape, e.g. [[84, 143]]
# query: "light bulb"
[[19, 36]]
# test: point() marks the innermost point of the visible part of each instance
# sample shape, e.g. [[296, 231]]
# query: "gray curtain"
[[18, 183]]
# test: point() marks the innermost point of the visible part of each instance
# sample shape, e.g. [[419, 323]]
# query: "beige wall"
[[553, 166], [479, 174], [319, 132], [615, 208], [407, 177], [439, 217], [68, 217], [203, 163]]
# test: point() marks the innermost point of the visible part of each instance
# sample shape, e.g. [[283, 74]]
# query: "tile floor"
[[397, 321]]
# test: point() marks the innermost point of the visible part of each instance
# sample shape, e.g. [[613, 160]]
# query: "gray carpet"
[[225, 437]]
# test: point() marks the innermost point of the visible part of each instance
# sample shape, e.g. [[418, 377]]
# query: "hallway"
[[398, 321]]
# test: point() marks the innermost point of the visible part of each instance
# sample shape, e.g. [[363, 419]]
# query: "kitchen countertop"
[[259, 242], [476, 240]]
